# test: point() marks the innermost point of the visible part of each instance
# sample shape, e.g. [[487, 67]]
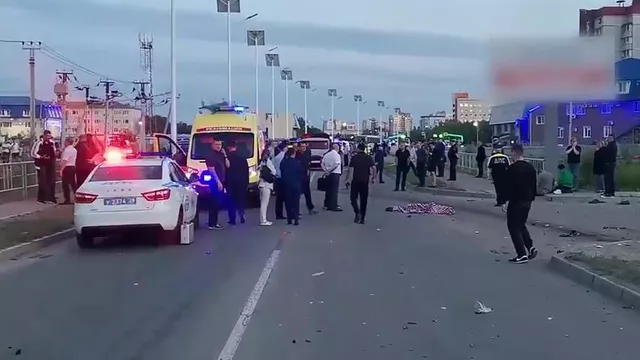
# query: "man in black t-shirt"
[[521, 183], [217, 164], [573, 152], [360, 173], [303, 155], [402, 167]]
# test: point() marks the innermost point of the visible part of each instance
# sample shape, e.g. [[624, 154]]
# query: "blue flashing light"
[[206, 177]]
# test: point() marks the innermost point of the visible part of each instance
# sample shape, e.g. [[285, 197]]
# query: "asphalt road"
[[397, 288]]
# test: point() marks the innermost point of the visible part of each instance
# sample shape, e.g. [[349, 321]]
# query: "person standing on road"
[[379, 153], [421, 164], [265, 185], [599, 167], [332, 166], [432, 166], [453, 160], [279, 185], [573, 152], [68, 170], [360, 173], [303, 155], [237, 180], [44, 155], [402, 167], [481, 156], [291, 175], [521, 181], [610, 158], [217, 164], [498, 165], [439, 151]]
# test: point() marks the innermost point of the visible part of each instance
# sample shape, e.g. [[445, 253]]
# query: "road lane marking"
[[313, 176], [231, 346]]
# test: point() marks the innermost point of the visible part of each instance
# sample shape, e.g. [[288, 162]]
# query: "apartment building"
[[432, 120], [400, 122], [90, 118], [454, 102], [472, 110]]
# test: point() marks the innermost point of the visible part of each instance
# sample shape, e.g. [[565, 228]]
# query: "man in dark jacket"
[[237, 180], [421, 164], [610, 158], [498, 165], [453, 161], [303, 155], [44, 155], [379, 153], [439, 154], [481, 156], [290, 172]]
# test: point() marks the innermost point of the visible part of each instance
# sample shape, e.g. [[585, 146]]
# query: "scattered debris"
[[596, 201], [624, 202], [318, 274], [401, 272], [572, 233], [628, 307], [481, 309], [135, 284], [599, 246], [307, 341], [559, 251], [477, 232], [550, 318], [614, 227], [293, 341], [19, 351], [412, 323], [443, 308]]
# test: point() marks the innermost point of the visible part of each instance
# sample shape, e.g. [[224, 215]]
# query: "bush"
[[627, 173]]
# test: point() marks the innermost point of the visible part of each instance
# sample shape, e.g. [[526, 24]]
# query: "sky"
[[412, 56]]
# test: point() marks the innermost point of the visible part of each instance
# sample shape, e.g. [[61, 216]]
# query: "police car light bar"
[[154, 154]]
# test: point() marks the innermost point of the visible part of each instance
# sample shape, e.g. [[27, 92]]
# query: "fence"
[[18, 180], [467, 163]]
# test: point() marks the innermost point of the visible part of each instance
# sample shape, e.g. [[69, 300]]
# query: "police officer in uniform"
[[498, 165], [44, 154]]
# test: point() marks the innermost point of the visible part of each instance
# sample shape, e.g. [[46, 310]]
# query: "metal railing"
[[467, 163], [18, 177]]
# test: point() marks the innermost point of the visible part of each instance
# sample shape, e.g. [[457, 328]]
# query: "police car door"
[[188, 195], [164, 143]]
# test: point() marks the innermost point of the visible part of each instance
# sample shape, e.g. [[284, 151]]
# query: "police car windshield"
[[202, 143], [128, 173]]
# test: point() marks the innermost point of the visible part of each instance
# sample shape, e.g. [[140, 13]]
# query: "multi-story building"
[[370, 124], [15, 117], [432, 120], [454, 102], [622, 24], [400, 122], [340, 127], [90, 118], [472, 110]]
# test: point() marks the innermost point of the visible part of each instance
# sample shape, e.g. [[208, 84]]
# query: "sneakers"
[[533, 252], [519, 260], [266, 223], [215, 227]]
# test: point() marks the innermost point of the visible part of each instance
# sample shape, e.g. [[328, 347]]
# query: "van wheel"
[[173, 236], [84, 241]]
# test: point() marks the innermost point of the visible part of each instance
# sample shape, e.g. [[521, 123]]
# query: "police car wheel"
[[84, 241], [173, 236]]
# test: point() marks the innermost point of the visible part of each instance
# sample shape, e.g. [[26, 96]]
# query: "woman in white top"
[[265, 185]]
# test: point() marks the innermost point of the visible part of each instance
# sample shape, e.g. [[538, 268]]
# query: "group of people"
[[78, 158]]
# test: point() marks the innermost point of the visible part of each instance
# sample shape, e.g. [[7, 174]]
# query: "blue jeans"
[[574, 169]]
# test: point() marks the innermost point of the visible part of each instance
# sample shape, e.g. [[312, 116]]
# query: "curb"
[[595, 282], [16, 251]]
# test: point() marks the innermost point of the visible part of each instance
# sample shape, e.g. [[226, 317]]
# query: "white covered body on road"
[[122, 194]]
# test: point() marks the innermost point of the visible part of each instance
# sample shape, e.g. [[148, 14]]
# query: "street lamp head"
[[475, 123], [251, 16], [273, 49]]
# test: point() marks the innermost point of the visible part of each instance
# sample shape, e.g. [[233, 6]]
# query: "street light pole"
[[358, 100], [381, 106], [477, 125], [256, 39], [333, 93], [229, 7], [305, 85], [273, 61], [287, 75], [174, 87]]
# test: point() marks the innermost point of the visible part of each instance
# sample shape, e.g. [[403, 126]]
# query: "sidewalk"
[[23, 207]]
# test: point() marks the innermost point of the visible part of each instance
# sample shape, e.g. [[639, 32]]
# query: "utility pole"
[[61, 89], [145, 99], [86, 118], [108, 95], [32, 46], [146, 62]]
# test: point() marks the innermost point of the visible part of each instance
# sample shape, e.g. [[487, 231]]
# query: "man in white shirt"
[[68, 170], [278, 185], [332, 166]]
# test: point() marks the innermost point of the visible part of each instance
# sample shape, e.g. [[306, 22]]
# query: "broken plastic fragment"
[[481, 309], [318, 273]]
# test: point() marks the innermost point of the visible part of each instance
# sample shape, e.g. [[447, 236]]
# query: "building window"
[[623, 87], [26, 113], [586, 132], [636, 106], [605, 109], [626, 54], [539, 119], [607, 131], [581, 110], [560, 132], [5, 113]]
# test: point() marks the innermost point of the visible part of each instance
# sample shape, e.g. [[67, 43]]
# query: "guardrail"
[[467, 163], [17, 179]]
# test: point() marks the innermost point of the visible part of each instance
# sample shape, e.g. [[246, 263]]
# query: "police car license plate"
[[120, 201]]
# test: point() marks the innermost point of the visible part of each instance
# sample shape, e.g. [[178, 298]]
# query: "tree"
[[310, 129], [184, 128], [157, 124], [466, 129]]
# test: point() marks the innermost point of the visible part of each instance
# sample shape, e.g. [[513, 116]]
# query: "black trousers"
[[480, 168], [359, 191], [440, 167], [280, 196], [292, 203], [68, 182], [82, 173], [235, 201], [500, 185], [306, 191], [517, 216], [421, 172], [453, 163], [609, 179], [47, 182], [214, 205], [380, 170], [331, 195], [401, 177]]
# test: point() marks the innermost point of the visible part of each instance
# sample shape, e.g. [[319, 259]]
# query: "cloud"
[[417, 72]]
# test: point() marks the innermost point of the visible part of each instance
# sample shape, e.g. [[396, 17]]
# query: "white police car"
[[122, 194]]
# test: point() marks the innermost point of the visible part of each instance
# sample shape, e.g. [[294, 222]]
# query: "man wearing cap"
[[498, 165]]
